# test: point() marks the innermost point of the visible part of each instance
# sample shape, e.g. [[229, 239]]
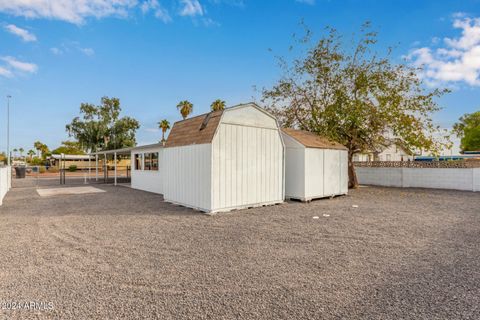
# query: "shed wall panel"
[[343, 172], [247, 166], [314, 172], [295, 173], [188, 172], [332, 172]]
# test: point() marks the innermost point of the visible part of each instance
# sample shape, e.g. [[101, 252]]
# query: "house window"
[[138, 161], [154, 161], [150, 161]]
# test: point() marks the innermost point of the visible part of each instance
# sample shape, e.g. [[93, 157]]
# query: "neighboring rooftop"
[[311, 140], [71, 156]]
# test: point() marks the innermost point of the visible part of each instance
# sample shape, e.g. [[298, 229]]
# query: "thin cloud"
[[73, 11], [24, 34], [56, 51], [159, 11], [310, 2], [455, 60], [21, 66], [87, 51], [4, 72], [191, 8]]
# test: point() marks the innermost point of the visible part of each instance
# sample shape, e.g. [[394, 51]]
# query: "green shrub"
[[42, 170], [72, 168], [37, 162]]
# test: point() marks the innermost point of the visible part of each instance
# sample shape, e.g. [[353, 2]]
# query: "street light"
[[8, 129]]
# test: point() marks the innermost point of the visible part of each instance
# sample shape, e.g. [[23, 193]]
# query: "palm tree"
[[31, 153], [218, 105], [15, 150], [164, 125], [185, 107], [21, 150], [38, 146]]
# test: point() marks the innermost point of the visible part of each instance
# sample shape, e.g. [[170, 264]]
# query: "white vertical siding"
[[314, 173], [332, 172], [343, 171], [187, 176], [247, 166], [148, 180]]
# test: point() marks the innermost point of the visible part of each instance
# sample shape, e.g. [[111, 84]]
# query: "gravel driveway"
[[402, 254]]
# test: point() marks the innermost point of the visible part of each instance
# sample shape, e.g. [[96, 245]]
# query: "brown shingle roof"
[[196, 130], [311, 140]]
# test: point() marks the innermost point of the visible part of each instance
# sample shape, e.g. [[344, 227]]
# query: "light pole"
[[8, 129]]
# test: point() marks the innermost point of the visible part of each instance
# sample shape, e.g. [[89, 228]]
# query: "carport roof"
[[311, 140], [127, 150]]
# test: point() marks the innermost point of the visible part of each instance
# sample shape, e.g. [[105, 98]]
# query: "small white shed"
[[315, 167], [147, 168], [225, 160]]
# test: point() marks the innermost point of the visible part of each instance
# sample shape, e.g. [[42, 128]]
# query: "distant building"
[[80, 161]]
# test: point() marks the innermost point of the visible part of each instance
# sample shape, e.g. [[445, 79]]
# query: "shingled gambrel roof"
[[311, 140], [197, 130]]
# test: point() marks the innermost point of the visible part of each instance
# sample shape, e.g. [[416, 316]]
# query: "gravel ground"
[[125, 254]]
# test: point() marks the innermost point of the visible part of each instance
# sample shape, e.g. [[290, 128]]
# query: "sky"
[[151, 54]]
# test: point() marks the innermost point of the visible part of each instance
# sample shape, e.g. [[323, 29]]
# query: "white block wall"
[[467, 179], [476, 179], [5, 182]]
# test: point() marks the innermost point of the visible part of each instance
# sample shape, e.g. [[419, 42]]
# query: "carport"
[[115, 154]]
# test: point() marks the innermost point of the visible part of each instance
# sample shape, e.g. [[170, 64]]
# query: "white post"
[[89, 166], [96, 167], [115, 166]]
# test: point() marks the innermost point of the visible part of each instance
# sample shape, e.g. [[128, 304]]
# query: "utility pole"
[[8, 129]]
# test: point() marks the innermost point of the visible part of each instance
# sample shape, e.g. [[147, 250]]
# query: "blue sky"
[[152, 54]]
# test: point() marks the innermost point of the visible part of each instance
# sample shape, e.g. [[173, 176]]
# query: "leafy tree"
[[468, 130], [218, 105], [185, 107], [100, 128], [164, 125], [354, 96], [69, 147]]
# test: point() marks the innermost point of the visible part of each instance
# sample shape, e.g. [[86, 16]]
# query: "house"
[[225, 160], [315, 167], [394, 151], [147, 168]]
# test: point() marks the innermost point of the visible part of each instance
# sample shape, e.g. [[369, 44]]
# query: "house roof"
[[197, 130], [71, 156], [311, 140]]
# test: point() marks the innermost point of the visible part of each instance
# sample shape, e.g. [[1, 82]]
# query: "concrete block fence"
[[467, 179], [5, 181]]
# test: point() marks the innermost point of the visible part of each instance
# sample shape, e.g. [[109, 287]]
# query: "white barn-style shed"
[[147, 168], [315, 167], [225, 160]]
